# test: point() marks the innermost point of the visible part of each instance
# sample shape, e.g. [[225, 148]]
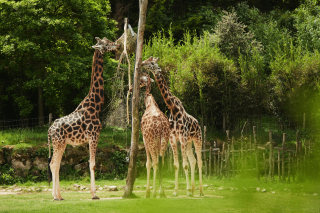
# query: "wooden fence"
[[246, 156]]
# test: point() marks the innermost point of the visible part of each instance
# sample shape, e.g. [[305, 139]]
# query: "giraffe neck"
[[96, 92], [148, 87], [166, 94], [94, 100]]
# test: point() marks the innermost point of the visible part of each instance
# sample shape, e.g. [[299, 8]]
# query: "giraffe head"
[[105, 45], [143, 81], [151, 65]]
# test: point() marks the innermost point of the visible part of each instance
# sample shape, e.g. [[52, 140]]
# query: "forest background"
[[219, 57]]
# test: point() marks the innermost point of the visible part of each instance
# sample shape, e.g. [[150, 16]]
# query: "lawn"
[[220, 196]]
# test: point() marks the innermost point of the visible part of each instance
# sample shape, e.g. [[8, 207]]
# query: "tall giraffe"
[[155, 129], [183, 127], [83, 124]]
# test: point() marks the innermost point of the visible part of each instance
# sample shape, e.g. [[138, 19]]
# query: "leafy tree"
[[45, 51], [231, 37]]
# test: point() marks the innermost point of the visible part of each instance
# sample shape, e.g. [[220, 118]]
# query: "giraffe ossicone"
[[82, 125]]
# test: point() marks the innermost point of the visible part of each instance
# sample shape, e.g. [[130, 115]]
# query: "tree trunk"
[[135, 102]]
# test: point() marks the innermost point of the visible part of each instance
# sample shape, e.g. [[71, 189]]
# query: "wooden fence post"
[[228, 155], [297, 153], [289, 167], [204, 152], [218, 164], [250, 154], [270, 155], [232, 148], [50, 119], [257, 152], [241, 151], [222, 153], [279, 173], [265, 167], [210, 154]]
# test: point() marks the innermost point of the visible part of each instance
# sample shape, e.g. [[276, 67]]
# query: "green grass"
[[236, 196]]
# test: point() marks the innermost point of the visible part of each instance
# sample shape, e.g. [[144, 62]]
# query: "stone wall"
[[33, 161]]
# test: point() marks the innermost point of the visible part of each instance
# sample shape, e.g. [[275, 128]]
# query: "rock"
[[73, 155], [138, 187], [220, 188], [40, 163], [258, 189], [315, 194], [17, 190], [273, 192], [45, 190], [205, 186], [263, 190], [82, 188], [38, 190], [68, 188], [2, 160], [121, 187], [100, 188], [115, 179], [81, 166], [21, 162], [76, 185], [105, 187], [29, 190], [113, 188]]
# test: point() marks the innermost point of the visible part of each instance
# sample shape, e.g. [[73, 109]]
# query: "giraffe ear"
[[156, 60]]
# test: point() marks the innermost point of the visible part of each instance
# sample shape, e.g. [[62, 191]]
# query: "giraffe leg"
[[161, 191], [174, 147], [148, 165], [185, 163], [55, 166], [92, 162], [154, 156], [198, 145], [192, 161], [164, 143]]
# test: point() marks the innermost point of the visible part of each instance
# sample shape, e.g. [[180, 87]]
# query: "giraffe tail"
[[49, 159]]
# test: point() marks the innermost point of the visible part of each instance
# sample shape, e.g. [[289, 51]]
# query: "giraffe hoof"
[[163, 196], [95, 197], [61, 198], [148, 194], [175, 194], [201, 194], [189, 194], [154, 195], [56, 199]]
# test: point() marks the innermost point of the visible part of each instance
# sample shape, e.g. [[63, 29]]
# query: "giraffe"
[[155, 129], [183, 128], [83, 124]]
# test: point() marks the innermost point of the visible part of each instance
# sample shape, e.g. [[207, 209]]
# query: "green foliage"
[[45, 46], [232, 38], [295, 77], [200, 76]]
